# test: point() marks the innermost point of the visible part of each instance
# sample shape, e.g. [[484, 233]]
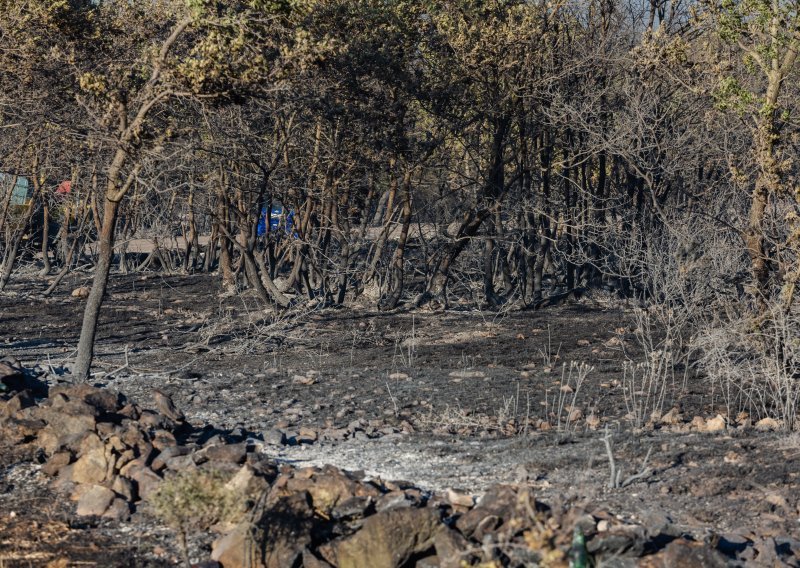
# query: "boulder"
[[105, 400], [18, 431], [389, 540], [119, 510], [161, 460], [95, 501], [56, 462], [499, 502], [91, 467], [451, 548], [123, 487], [226, 453], [682, 553], [147, 481], [278, 540], [10, 407], [166, 407]]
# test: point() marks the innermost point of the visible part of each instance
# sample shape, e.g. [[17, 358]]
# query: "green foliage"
[[731, 96]]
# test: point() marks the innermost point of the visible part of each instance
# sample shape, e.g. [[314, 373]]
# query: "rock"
[[500, 501], [459, 498], [63, 430], [246, 482], [306, 436], [15, 378], [389, 540], [226, 453], [311, 561], [274, 437], [130, 411], [392, 500], [95, 501], [91, 467], [277, 540], [10, 370], [166, 407], [238, 549], [56, 462], [10, 407], [768, 425], [352, 509], [682, 553], [163, 458], [156, 421], [147, 481], [329, 487], [18, 431], [428, 562], [119, 510], [105, 400], [334, 434], [82, 292], [179, 463], [716, 424], [464, 374], [123, 487], [451, 548], [162, 439]]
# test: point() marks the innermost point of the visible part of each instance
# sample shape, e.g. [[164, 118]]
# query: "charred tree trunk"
[[397, 277], [94, 302]]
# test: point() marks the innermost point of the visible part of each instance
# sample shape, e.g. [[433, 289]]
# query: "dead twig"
[[615, 478]]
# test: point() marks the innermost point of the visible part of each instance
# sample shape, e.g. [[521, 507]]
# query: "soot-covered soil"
[[459, 398]]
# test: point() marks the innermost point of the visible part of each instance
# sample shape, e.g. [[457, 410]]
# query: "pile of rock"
[[110, 454]]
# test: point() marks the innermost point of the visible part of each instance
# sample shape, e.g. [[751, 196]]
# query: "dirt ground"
[[460, 398]]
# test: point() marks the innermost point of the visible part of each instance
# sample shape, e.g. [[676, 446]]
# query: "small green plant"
[[194, 501]]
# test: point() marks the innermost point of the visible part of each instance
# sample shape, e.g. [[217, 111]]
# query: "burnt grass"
[[460, 398]]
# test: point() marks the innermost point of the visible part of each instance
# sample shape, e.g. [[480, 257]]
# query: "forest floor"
[[454, 399]]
